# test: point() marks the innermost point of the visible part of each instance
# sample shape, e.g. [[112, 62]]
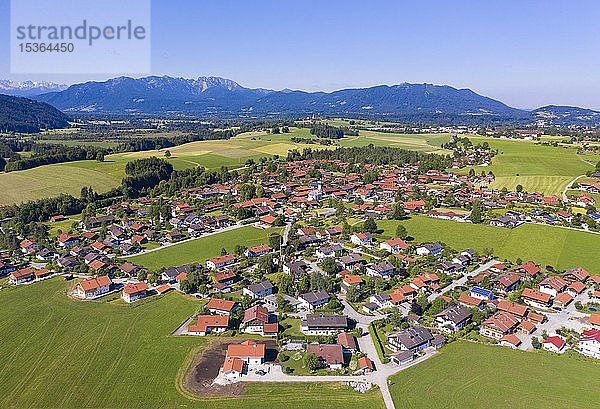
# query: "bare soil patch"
[[206, 366]]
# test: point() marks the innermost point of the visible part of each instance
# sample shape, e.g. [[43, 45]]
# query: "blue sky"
[[525, 53]]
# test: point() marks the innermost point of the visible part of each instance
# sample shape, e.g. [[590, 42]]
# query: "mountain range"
[[29, 88], [223, 98]]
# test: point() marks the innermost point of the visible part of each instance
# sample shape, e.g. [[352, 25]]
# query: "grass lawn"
[[558, 247], [467, 375], [201, 249], [60, 353]]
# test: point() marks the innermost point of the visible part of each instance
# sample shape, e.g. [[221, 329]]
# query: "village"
[[326, 293]]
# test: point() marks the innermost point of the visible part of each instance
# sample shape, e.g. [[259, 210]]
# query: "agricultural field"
[[539, 168], [203, 248], [561, 248], [478, 376], [58, 352]]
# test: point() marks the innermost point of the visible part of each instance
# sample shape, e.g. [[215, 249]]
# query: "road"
[[462, 280], [564, 193]]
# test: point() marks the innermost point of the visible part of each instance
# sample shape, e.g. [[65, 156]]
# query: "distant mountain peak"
[[29, 88]]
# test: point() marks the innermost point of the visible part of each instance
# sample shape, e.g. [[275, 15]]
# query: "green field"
[[562, 248], [60, 353], [201, 249], [468, 375], [539, 168]]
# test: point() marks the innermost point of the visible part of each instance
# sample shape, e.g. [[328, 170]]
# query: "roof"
[[501, 321], [347, 340], [512, 307], [233, 365], [135, 288], [313, 297], [456, 313], [351, 279], [260, 248], [555, 340], [594, 319], [467, 299], [511, 339], [591, 335], [326, 321], [260, 287], [92, 284], [483, 292], [247, 349], [220, 304], [209, 321], [227, 258], [536, 295], [22, 273], [258, 313], [413, 337], [365, 363], [563, 298], [161, 289], [332, 354]]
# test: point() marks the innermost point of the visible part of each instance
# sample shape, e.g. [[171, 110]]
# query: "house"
[[382, 300], [553, 285], [313, 299], [351, 261], [220, 306], [589, 343], [249, 351], [432, 249], [134, 291], [67, 240], [383, 269], [206, 324], [330, 251], [220, 262], [393, 246], [296, 268], [330, 355], [233, 368], [258, 290], [506, 283], [402, 357], [517, 310], [257, 251], [561, 301], [554, 344], [536, 298], [575, 288], [576, 274], [258, 320], [453, 318], [6, 268], [362, 239], [365, 365], [93, 287], [21, 276], [510, 340], [28, 246], [482, 293], [323, 324], [529, 270], [350, 281], [347, 341], [471, 302], [412, 339], [499, 325], [506, 221]]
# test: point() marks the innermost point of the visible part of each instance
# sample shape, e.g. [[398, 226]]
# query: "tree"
[[2, 164], [167, 154], [353, 294], [370, 225], [519, 188], [398, 212], [535, 343], [311, 362], [100, 157], [329, 266], [476, 213], [401, 232], [275, 241]]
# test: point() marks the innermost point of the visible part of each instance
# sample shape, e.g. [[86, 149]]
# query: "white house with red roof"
[[134, 291], [93, 287], [589, 343], [554, 344], [220, 306], [362, 239], [393, 246], [220, 262]]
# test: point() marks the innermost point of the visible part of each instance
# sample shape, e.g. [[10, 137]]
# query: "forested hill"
[[19, 114]]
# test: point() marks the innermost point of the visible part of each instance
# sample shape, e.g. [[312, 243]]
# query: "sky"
[[525, 53]]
